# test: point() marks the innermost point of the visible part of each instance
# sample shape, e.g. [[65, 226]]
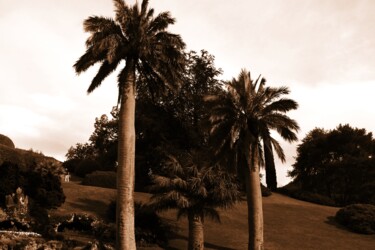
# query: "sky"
[[323, 50]]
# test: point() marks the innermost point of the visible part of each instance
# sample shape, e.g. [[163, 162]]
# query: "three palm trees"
[[240, 118], [141, 40]]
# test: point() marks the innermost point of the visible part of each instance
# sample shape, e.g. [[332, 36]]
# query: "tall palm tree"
[[149, 50], [195, 188], [240, 118]]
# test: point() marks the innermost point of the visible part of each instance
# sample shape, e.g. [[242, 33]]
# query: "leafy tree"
[[195, 188], [101, 148], [148, 49], [338, 164], [239, 119]]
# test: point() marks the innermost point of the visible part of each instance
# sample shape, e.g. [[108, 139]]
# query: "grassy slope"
[[289, 223]]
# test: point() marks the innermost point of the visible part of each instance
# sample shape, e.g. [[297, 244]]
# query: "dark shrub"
[[45, 188], [294, 190], [265, 191], [358, 217], [86, 166], [71, 164], [39, 184], [106, 179], [6, 141], [149, 227], [11, 178]]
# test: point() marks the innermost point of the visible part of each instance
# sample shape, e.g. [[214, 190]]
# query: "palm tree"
[[149, 50], [196, 189], [239, 119]]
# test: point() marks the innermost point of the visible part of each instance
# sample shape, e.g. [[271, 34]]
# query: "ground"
[[288, 223]]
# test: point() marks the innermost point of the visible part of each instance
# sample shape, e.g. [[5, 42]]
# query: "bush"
[[359, 218], [265, 191], [106, 179], [71, 164], [86, 166], [39, 184], [6, 141], [150, 229], [297, 193]]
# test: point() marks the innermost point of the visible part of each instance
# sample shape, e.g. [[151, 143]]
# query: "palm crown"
[[244, 115], [135, 34]]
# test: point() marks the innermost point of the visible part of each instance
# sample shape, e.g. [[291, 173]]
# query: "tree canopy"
[[337, 163]]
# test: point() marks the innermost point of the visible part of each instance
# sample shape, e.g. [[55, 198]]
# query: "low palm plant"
[[196, 189]]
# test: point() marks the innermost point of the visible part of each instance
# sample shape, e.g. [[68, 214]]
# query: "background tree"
[[338, 164], [239, 119], [148, 49], [100, 152]]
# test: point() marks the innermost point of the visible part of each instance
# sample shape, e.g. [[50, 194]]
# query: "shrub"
[[265, 191], [149, 227], [294, 190], [359, 218], [106, 179], [6, 141], [71, 164], [39, 184], [86, 166]]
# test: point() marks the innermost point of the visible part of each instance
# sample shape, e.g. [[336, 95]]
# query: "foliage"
[[304, 195], [6, 141], [338, 164], [358, 217], [191, 184], [106, 179], [150, 228], [40, 183], [102, 146], [241, 116], [86, 166], [265, 191]]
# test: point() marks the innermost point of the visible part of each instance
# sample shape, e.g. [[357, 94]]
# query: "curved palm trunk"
[[196, 231], [271, 179], [254, 208], [125, 235]]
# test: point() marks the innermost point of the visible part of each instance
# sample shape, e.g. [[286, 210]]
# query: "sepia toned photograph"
[[170, 124]]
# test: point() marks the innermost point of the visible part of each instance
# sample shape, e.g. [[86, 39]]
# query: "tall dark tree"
[[148, 49], [239, 119]]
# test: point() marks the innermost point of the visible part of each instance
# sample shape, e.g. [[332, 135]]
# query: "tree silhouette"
[[148, 49], [239, 119]]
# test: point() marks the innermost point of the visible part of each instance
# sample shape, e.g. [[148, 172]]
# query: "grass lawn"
[[289, 223]]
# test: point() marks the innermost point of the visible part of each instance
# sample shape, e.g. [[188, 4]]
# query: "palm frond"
[[279, 150], [105, 69], [212, 214], [88, 59], [99, 24], [160, 23], [282, 105]]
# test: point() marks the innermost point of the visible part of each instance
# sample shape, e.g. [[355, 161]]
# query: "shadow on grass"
[[332, 221], [96, 207], [206, 244]]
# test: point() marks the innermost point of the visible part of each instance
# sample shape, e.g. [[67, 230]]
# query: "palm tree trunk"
[[254, 208], [196, 231], [125, 235], [271, 178]]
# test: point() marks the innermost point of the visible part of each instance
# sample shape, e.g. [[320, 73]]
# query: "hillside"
[[289, 223]]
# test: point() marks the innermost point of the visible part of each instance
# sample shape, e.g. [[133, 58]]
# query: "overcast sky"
[[323, 50]]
